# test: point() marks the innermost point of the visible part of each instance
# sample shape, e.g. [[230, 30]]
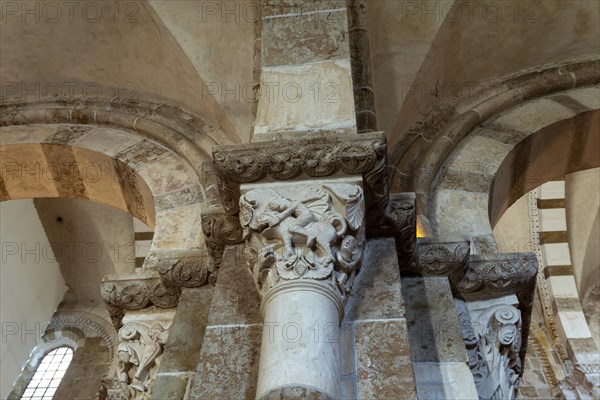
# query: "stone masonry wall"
[[90, 362]]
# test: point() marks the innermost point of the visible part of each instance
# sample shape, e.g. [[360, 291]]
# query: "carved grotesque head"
[[349, 247]]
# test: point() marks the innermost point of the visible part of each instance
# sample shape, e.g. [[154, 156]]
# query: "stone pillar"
[[299, 342], [304, 242]]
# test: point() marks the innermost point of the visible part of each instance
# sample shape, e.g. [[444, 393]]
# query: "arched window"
[[48, 374]]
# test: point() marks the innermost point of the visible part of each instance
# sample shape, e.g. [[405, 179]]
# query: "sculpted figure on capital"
[[316, 233]]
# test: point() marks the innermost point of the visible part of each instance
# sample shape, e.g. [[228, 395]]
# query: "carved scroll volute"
[[314, 233], [493, 338]]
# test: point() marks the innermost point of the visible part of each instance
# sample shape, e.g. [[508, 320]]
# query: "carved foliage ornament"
[[497, 276], [317, 233], [493, 341], [441, 258], [287, 160], [138, 293]]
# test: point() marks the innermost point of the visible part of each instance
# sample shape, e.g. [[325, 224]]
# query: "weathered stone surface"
[[236, 300], [180, 198], [170, 387], [377, 292], [167, 174], [534, 115], [305, 38], [433, 327], [187, 331], [297, 107], [228, 366], [295, 392], [461, 214], [384, 366]]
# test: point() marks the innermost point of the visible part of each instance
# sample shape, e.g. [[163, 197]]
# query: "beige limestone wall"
[[91, 240], [31, 286], [583, 204], [513, 231]]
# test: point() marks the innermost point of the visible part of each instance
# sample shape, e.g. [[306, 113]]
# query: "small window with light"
[[48, 374]]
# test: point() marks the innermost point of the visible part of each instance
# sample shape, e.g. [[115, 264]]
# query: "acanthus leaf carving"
[[493, 338], [291, 237]]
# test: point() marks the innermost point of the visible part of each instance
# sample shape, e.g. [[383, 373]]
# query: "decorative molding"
[[542, 287], [309, 156], [493, 340], [503, 274], [319, 236], [135, 292], [491, 275], [434, 258], [318, 156], [86, 323], [220, 229], [220, 221]]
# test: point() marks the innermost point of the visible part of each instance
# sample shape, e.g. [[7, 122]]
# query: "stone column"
[[304, 242]]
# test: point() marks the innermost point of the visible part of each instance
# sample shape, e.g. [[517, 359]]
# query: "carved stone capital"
[[397, 218], [140, 348], [220, 229], [493, 337], [137, 291], [304, 231]]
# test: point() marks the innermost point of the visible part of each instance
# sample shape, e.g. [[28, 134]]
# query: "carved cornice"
[[433, 259], [308, 156], [472, 274], [503, 274], [137, 291]]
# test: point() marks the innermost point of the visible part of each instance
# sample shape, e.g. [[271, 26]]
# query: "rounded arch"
[[49, 342], [155, 154], [433, 158], [508, 156]]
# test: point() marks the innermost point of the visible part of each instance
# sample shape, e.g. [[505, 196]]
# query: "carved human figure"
[[298, 236], [141, 347], [348, 258], [297, 217]]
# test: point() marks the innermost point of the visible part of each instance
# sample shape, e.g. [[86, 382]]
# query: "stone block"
[[187, 331], [305, 38], [383, 356], [462, 214], [170, 387], [309, 97], [236, 300], [228, 366], [534, 115], [433, 328], [377, 291]]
